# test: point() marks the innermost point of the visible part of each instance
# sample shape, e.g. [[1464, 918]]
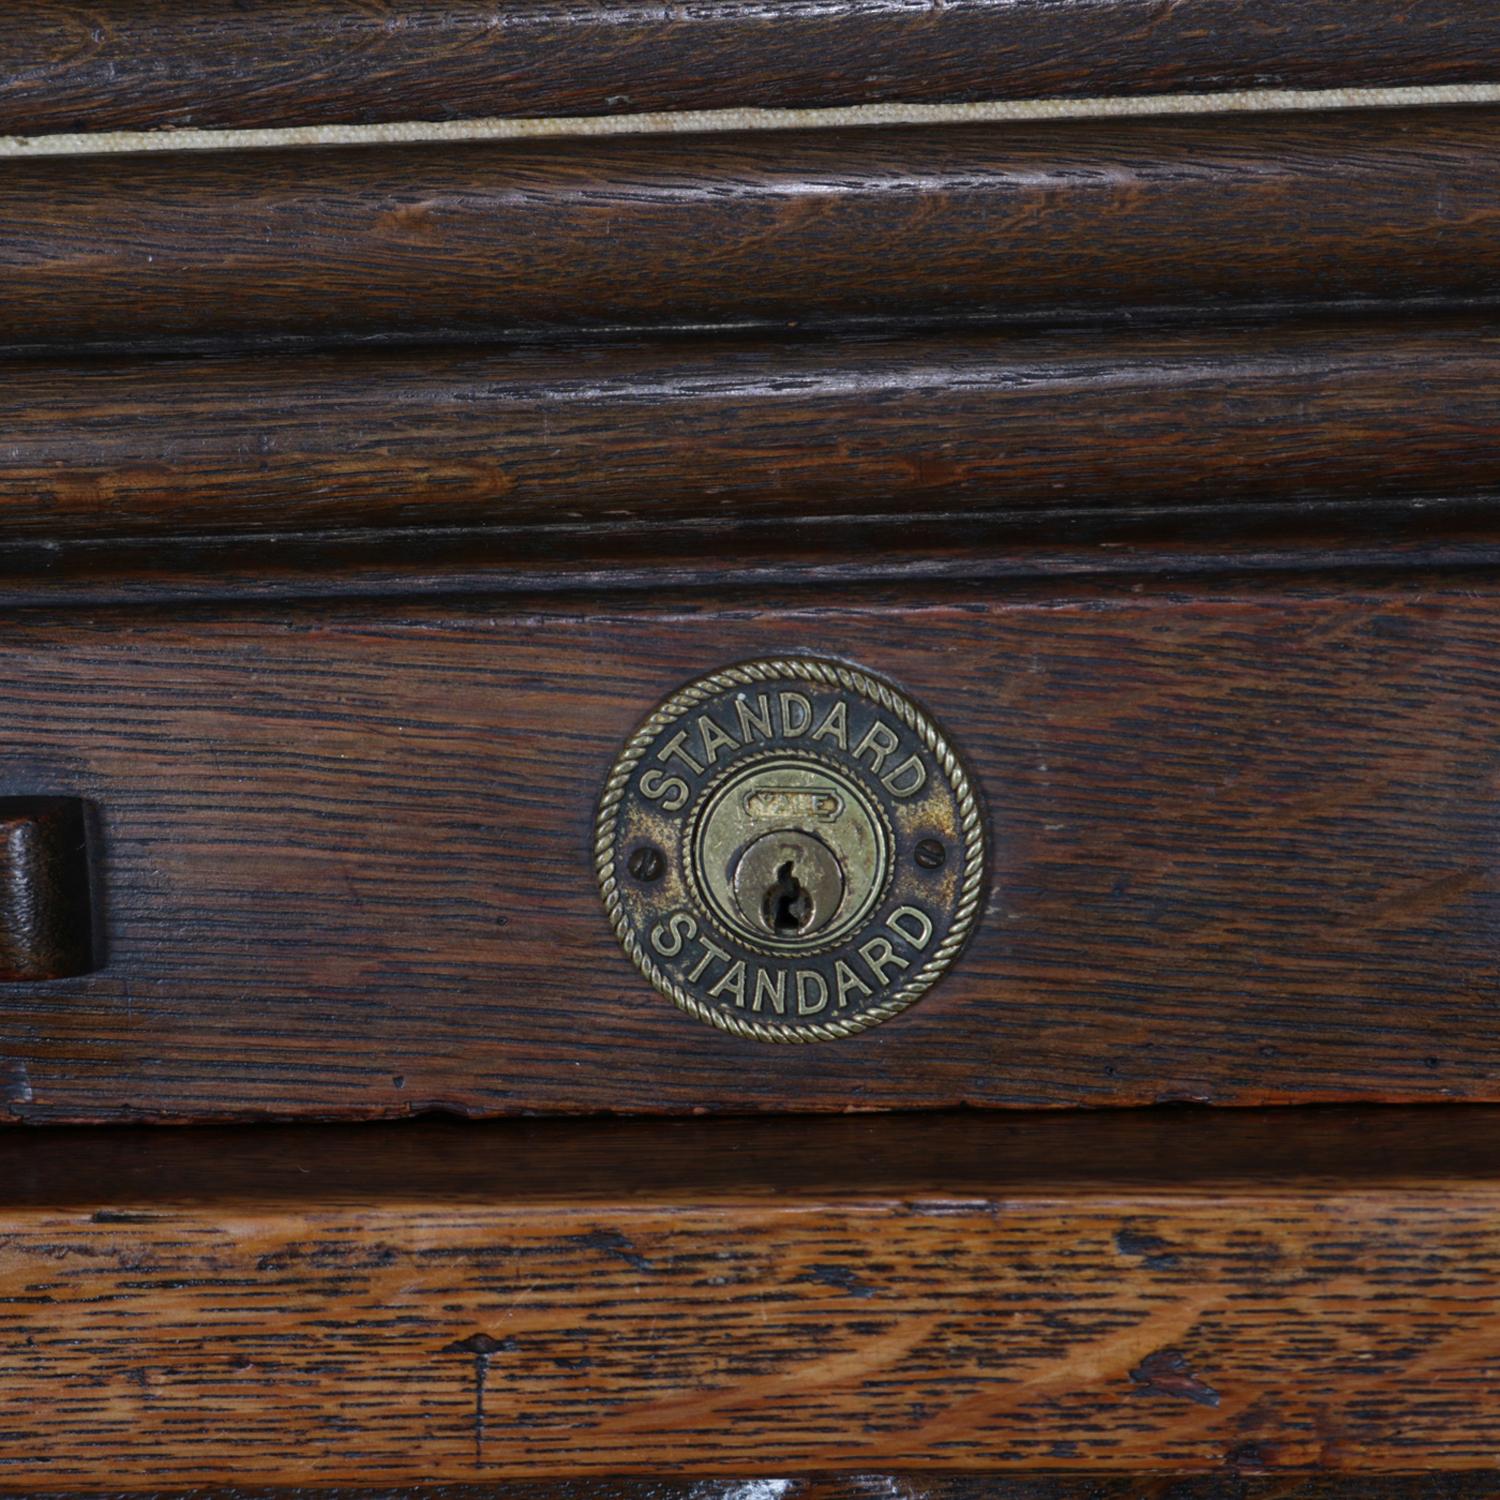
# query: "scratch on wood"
[[483, 1348], [15, 1082]]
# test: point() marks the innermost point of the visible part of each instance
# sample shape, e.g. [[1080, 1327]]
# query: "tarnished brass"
[[790, 850], [788, 885]]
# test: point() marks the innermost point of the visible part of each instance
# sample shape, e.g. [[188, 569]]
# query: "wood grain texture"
[[780, 553], [763, 228], [146, 63], [1476, 1485], [1243, 842], [1241, 1297], [718, 430]]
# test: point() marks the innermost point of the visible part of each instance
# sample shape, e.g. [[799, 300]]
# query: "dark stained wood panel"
[[147, 63], [1475, 1485], [734, 430], [765, 227], [1248, 1299], [728, 553], [863, 1157], [1244, 850]]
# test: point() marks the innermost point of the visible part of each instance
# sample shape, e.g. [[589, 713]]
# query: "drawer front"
[[1241, 849]]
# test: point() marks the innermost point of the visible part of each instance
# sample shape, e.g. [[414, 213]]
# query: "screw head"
[[647, 863], [930, 854]]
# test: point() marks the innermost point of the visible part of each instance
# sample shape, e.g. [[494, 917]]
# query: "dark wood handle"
[[46, 903]]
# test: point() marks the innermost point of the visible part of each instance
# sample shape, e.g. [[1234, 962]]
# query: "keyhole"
[[787, 885], [788, 906]]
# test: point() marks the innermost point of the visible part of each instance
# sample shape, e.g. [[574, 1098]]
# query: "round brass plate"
[[790, 850]]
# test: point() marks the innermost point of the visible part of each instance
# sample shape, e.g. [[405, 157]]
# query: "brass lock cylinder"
[[790, 850]]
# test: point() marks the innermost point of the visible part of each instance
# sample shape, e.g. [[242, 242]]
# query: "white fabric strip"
[[1257, 101]]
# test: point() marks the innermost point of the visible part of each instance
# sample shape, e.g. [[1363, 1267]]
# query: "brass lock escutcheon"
[[790, 850]]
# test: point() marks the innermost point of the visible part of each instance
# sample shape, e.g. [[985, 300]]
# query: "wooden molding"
[[792, 430], [1082, 219], [1358, 538], [322, 63]]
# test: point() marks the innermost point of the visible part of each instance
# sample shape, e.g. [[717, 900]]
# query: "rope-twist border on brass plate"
[[825, 674]]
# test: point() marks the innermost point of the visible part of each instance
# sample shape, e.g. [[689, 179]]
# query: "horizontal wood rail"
[[1070, 219], [738, 430], [1230, 1295], [735, 556], [321, 62], [923, 1485], [1242, 831]]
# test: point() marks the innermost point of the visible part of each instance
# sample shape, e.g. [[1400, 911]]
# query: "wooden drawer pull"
[[46, 902]]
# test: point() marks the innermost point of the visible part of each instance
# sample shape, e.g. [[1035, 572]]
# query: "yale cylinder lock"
[[790, 850]]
